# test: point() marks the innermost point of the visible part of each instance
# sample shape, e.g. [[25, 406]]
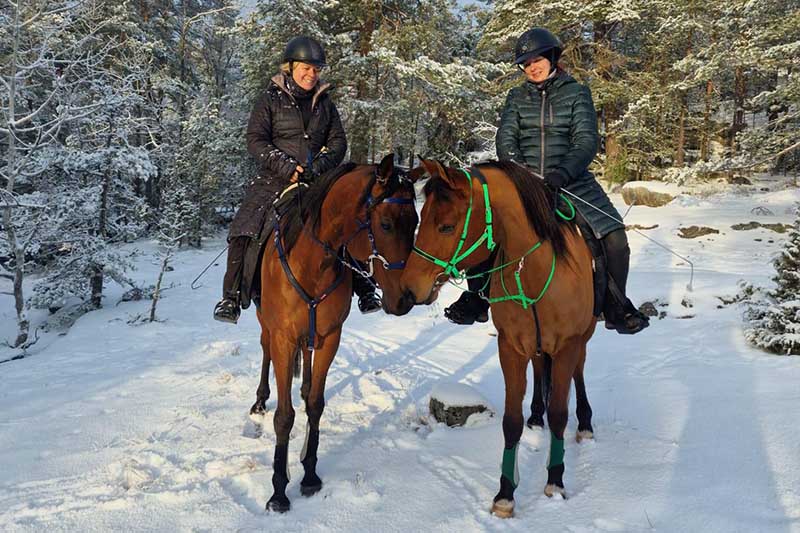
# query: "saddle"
[[608, 298], [250, 284]]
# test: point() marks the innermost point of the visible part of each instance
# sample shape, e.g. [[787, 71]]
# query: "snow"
[[458, 395], [144, 427]]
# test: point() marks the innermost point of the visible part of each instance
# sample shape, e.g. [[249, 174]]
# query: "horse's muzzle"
[[405, 303]]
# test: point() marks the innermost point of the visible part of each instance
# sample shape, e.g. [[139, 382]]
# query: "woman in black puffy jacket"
[[550, 125], [295, 134]]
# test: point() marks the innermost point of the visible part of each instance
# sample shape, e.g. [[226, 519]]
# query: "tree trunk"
[[157, 291], [739, 93], [610, 111], [23, 326], [359, 125], [705, 137], [680, 149]]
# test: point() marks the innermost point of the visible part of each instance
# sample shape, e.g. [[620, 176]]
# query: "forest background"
[[122, 121]]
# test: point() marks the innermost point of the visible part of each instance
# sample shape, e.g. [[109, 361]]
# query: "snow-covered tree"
[[775, 321]]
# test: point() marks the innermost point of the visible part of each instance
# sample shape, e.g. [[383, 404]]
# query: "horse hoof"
[[310, 490], [278, 505], [503, 508], [552, 490], [535, 422], [258, 409], [583, 435]]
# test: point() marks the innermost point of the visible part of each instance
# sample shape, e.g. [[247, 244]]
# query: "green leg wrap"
[[509, 469], [556, 451]]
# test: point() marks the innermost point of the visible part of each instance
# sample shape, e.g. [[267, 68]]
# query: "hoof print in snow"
[[454, 403], [692, 232], [762, 211], [686, 302]]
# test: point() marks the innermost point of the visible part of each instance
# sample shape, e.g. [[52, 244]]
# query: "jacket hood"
[[322, 87]]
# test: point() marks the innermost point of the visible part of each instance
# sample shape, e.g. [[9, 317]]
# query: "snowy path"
[[144, 428]]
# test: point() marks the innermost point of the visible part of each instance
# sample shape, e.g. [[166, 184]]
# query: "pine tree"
[[775, 324]]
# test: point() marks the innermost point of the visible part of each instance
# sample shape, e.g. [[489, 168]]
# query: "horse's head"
[[442, 245], [388, 202]]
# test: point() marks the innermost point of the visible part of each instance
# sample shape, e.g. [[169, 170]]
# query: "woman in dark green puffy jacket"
[[550, 125]]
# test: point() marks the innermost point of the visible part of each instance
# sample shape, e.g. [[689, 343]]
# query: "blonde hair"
[[286, 67]]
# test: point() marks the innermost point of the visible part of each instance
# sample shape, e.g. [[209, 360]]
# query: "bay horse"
[[365, 212], [541, 292]]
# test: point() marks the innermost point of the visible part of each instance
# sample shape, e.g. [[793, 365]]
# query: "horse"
[[309, 255], [541, 264]]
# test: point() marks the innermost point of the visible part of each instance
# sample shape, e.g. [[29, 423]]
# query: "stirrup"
[[227, 310], [632, 323], [369, 303], [468, 309]]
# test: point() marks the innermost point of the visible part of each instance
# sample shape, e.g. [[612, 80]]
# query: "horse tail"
[[297, 360], [547, 379]]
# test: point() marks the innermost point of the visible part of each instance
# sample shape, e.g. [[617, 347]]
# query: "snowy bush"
[[774, 319]]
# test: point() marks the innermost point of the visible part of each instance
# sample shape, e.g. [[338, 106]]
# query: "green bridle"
[[451, 267]]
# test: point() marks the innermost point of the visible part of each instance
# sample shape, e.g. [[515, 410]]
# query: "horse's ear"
[[437, 170], [416, 174], [385, 169]]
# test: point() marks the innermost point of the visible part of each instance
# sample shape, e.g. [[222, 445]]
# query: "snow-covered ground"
[[116, 426]]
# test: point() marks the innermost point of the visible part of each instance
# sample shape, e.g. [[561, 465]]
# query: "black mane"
[[537, 201], [307, 206]]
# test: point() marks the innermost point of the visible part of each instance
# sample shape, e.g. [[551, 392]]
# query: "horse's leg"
[[306, 374], [583, 409], [564, 364], [262, 394], [537, 403], [515, 366], [283, 352], [315, 403]]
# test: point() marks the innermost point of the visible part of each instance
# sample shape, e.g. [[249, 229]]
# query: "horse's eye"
[[447, 228], [386, 226]]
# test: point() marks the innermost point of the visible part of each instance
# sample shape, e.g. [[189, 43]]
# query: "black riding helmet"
[[537, 42], [305, 50]]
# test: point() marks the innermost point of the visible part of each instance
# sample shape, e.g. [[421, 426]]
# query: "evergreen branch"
[[770, 158]]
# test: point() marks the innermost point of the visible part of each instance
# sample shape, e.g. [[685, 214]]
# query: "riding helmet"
[[537, 42], [305, 50]]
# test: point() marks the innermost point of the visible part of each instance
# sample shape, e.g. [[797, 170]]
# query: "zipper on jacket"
[[541, 129]]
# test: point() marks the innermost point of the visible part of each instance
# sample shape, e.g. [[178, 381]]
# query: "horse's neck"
[[512, 230]]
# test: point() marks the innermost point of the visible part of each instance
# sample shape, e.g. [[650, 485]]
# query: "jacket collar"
[[322, 87], [561, 78]]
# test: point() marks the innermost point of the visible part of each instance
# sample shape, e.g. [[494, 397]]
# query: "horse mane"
[[537, 200], [308, 205]]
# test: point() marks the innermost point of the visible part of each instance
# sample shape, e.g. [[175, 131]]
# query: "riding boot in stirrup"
[[227, 309], [468, 309], [368, 301]]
